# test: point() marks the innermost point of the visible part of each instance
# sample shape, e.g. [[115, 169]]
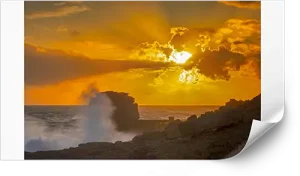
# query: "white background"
[[12, 78]]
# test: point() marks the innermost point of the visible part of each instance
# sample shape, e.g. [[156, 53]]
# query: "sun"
[[180, 57]]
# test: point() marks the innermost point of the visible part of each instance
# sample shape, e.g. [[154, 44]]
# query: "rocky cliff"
[[214, 135], [126, 114]]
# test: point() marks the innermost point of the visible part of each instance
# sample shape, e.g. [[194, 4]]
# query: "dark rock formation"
[[171, 118], [172, 130], [233, 112], [126, 112], [233, 103], [192, 117], [148, 136]]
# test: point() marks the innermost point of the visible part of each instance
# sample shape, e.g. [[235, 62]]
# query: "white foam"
[[94, 125]]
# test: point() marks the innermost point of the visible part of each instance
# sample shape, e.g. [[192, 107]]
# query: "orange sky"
[[161, 53]]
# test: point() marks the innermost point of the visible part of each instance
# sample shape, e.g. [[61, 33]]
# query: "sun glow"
[[189, 76], [180, 57]]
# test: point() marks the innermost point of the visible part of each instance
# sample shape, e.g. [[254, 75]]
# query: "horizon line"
[[138, 105]]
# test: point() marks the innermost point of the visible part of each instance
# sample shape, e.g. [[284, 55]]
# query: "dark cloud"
[[216, 64], [243, 4], [63, 29], [257, 67], [238, 41], [44, 66], [74, 33]]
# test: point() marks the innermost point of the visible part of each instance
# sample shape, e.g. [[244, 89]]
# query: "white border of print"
[[12, 80], [272, 69], [12, 73]]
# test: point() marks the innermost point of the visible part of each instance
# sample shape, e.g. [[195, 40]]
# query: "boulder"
[[126, 114], [233, 103], [172, 130], [188, 127], [148, 136], [171, 118], [192, 117]]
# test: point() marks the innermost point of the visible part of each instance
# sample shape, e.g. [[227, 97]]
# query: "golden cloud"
[[59, 12], [60, 3], [243, 4], [215, 52], [62, 29], [152, 51]]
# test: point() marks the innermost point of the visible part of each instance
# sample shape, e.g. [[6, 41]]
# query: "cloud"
[[243, 4], [233, 46], [248, 25], [60, 3], [72, 32], [216, 64], [59, 12], [75, 1], [45, 66], [182, 39], [62, 29], [215, 52], [28, 38], [152, 51], [252, 68], [239, 35], [245, 36], [187, 39]]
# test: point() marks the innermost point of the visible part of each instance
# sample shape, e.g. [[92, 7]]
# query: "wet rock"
[[188, 127], [192, 117], [214, 135], [118, 142], [141, 152], [171, 118], [126, 114], [172, 130], [148, 136]]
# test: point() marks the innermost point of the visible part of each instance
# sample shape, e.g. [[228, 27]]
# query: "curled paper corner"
[[258, 129]]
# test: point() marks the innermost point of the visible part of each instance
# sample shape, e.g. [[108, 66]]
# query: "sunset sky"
[[161, 53]]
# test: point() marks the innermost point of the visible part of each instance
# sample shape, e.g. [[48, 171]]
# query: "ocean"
[[59, 127], [178, 112], [62, 113]]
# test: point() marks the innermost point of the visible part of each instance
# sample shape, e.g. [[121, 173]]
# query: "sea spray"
[[94, 124], [38, 137], [99, 125]]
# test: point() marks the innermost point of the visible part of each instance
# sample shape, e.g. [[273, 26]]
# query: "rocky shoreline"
[[214, 135]]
